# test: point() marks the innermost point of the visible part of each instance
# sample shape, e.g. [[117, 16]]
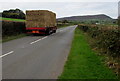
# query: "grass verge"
[[83, 63], [8, 38]]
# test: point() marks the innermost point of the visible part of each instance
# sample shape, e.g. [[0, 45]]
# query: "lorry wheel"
[[54, 31], [48, 33]]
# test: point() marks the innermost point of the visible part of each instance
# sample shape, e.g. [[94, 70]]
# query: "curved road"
[[37, 57]]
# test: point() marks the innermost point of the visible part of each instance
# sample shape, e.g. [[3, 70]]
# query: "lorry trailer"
[[40, 22]]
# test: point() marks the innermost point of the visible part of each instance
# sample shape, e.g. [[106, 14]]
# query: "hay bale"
[[40, 18]]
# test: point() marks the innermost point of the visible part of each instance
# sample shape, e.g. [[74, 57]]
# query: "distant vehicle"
[[40, 22]]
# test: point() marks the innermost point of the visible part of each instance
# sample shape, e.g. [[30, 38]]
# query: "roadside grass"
[[8, 38], [83, 62], [11, 19]]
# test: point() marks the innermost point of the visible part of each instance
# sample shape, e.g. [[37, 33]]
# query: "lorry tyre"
[[54, 31], [48, 32]]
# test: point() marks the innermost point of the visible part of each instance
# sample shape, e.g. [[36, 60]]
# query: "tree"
[[13, 13], [64, 21]]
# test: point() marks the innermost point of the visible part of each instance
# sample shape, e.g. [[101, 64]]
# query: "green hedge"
[[10, 28], [108, 38]]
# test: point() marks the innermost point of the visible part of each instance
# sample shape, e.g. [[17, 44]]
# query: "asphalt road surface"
[[37, 57]]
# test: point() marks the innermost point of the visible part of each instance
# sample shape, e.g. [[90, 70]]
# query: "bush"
[[12, 28]]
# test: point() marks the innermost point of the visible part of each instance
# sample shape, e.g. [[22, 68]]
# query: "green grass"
[[8, 38], [83, 63], [11, 19]]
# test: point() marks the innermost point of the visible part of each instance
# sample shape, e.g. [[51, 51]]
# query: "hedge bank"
[[10, 28], [107, 37]]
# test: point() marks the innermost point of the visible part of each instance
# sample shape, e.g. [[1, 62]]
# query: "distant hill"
[[87, 17]]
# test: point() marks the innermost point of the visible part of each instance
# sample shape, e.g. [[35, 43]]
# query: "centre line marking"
[[45, 37], [38, 40], [6, 54]]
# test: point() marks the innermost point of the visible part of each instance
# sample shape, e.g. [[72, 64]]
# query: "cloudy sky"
[[65, 8]]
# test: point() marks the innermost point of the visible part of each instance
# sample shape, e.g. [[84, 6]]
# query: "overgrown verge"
[[84, 63], [106, 42], [8, 38]]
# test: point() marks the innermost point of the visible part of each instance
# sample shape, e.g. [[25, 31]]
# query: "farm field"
[[11, 19]]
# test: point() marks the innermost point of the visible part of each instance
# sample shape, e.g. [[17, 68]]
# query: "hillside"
[[87, 17]]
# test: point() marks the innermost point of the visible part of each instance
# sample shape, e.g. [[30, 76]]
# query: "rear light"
[[33, 32], [37, 31]]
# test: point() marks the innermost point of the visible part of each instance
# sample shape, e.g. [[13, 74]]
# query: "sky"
[[59, 0], [65, 8]]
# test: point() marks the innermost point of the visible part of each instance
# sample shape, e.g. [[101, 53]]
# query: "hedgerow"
[[107, 37], [10, 28]]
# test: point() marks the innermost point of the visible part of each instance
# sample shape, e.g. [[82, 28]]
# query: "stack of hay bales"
[[40, 18]]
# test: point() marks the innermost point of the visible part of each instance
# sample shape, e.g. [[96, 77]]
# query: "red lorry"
[[40, 22]]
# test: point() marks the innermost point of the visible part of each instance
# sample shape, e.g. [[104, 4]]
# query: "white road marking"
[[44, 37], [6, 54], [53, 33], [61, 30], [38, 40]]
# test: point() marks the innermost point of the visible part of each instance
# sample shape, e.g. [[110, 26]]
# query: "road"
[[37, 57]]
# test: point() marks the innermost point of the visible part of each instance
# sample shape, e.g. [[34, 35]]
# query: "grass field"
[[11, 19], [83, 63]]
